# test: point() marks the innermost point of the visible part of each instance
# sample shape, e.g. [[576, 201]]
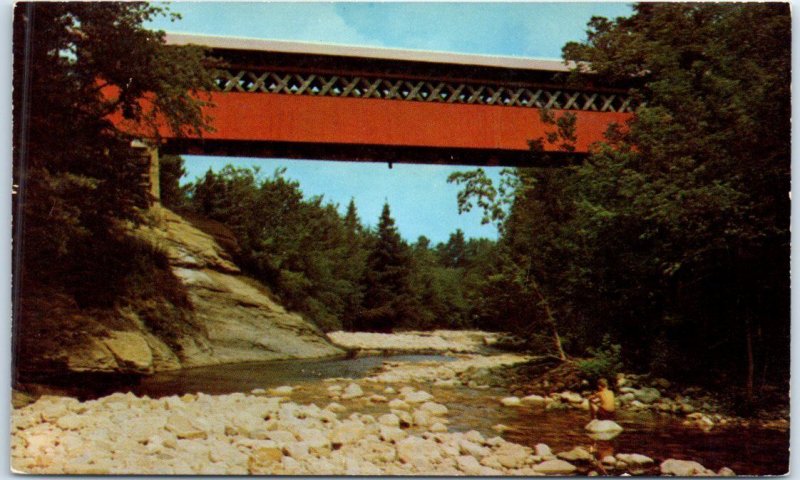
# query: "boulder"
[[389, 419], [683, 468], [662, 383], [422, 418], [500, 428], [542, 450], [726, 472], [600, 426], [317, 441], [347, 432], [511, 401], [491, 461], [554, 467], [511, 455], [418, 452], [603, 429], [647, 395], [577, 454], [51, 412], [438, 427], [282, 390], [391, 434], [71, 421], [469, 465], [281, 437], [377, 452], [626, 398], [399, 404], [434, 408], [635, 459], [470, 448], [183, 427], [131, 351], [417, 397], [571, 397], [336, 407], [535, 400], [406, 420], [243, 423], [352, 391], [264, 460], [475, 436]]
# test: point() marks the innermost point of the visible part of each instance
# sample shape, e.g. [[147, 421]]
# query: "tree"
[[351, 264], [75, 171], [171, 170], [388, 298], [79, 183], [454, 252], [527, 276], [706, 186], [673, 234]]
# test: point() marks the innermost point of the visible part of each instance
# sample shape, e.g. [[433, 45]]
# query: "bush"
[[605, 361]]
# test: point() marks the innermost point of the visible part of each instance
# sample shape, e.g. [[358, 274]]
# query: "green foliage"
[[334, 271], [311, 256], [673, 235], [605, 361], [76, 174], [701, 205], [389, 301], [171, 169]]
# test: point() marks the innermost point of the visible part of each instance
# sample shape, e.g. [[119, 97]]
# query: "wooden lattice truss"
[[421, 91]]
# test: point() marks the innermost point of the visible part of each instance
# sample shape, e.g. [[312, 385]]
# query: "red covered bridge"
[[304, 100]]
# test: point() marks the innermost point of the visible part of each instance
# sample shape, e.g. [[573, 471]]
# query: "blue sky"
[[421, 200]]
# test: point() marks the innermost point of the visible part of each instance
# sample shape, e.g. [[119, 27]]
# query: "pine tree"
[[351, 220], [351, 267], [388, 298], [454, 252]]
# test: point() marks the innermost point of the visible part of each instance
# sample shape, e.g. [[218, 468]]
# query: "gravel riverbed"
[[271, 431]]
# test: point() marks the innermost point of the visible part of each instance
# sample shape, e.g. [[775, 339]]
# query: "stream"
[[748, 451]]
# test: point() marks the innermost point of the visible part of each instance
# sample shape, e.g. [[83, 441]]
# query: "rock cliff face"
[[241, 320], [231, 319]]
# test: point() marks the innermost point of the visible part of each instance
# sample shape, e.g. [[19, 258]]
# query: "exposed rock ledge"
[[455, 341], [233, 318]]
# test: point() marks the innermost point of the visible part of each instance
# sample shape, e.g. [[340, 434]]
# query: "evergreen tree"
[[171, 170], [388, 298], [453, 254], [352, 262], [351, 221]]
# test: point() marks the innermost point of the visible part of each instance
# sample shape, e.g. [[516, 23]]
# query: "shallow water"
[[748, 451], [244, 377]]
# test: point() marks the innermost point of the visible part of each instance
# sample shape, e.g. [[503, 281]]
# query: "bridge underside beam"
[[367, 153]]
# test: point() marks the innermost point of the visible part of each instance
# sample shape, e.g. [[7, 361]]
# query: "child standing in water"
[[601, 403]]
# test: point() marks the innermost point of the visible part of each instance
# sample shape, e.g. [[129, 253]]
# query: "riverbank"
[[436, 341], [265, 432], [443, 415]]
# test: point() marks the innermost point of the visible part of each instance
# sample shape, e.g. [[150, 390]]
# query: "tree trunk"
[[550, 320], [750, 364]]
